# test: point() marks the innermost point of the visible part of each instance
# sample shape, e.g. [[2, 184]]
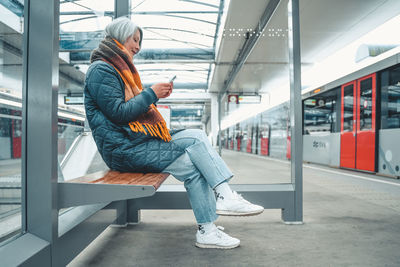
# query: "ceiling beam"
[[111, 13], [200, 3], [192, 54], [249, 44], [178, 30], [186, 98], [183, 85]]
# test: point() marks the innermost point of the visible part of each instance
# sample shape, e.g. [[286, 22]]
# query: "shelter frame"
[[48, 239]]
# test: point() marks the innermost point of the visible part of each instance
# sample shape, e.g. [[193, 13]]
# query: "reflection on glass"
[[348, 108], [320, 114], [366, 104], [266, 134], [176, 24], [183, 31], [85, 15], [393, 106], [82, 26], [68, 131], [10, 123]]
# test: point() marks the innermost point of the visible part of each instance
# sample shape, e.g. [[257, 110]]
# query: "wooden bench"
[[107, 186]]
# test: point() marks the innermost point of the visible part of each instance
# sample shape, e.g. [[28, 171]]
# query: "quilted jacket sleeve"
[[107, 90]]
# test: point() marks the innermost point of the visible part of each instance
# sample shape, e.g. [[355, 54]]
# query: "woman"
[[132, 136]]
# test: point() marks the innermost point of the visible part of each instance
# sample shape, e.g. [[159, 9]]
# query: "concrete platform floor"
[[350, 219]]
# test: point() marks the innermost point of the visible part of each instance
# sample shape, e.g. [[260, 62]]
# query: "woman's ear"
[[141, 37]]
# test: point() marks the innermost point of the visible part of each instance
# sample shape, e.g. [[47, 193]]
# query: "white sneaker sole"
[[233, 213], [200, 245]]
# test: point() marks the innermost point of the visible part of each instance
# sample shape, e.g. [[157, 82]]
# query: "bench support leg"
[[133, 213], [122, 213]]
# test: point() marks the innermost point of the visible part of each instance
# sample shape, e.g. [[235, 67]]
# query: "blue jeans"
[[201, 169]]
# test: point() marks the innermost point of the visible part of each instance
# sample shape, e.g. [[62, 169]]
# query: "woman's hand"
[[162, 90]]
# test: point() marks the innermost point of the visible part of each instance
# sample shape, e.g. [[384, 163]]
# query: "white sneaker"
[[237, 206], [215, 238]]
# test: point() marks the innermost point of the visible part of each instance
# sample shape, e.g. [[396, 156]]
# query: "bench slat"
[[115, 177]]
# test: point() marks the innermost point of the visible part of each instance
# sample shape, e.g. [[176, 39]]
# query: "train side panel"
[[389, 152], [322, 149]]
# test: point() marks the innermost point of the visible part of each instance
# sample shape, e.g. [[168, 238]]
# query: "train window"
[[5, 126], [366, 104], [390, 99], [320, 114], [348, 108]]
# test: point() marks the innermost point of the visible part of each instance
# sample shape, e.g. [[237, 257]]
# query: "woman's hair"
[[121, 28]]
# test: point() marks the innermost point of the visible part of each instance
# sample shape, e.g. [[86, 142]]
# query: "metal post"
[[86, 127], [219, 124], [24, 146], [40, 84], [122, 8], [295, 108], [214, 119]]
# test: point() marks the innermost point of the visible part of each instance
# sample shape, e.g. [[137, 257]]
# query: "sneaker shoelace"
[[239, 197], [221, 234]]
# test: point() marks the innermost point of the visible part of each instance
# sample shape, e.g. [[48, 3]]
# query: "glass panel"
[[391, 99], [11, 49], [81, 29], [268, 135], [267, 132], [348, 108], [366, 104], [184, 33], [82, 25]]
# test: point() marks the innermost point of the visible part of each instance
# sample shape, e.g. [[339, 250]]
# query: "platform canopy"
[[206, 43]]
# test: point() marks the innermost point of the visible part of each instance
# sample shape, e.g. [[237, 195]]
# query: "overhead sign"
[[73, 100], [249, 99], [310, 102]]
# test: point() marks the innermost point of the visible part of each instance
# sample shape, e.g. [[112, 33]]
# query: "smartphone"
[[172, 79]]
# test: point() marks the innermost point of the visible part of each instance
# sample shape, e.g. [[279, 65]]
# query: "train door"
[[357, 142], [288, 139], [16, 135], [348, 126], [265, 138], [366, 117]]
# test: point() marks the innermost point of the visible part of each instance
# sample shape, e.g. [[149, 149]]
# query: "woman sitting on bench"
[[132, 136]]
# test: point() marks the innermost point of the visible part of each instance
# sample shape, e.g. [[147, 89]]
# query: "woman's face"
[[132, 43]]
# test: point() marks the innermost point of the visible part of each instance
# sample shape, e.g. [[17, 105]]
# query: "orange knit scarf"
[[114, 53]]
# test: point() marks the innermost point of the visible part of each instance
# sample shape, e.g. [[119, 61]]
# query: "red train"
[[352, 122], [70, 124]]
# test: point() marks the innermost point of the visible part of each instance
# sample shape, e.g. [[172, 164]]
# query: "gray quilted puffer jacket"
[[108, 115]]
